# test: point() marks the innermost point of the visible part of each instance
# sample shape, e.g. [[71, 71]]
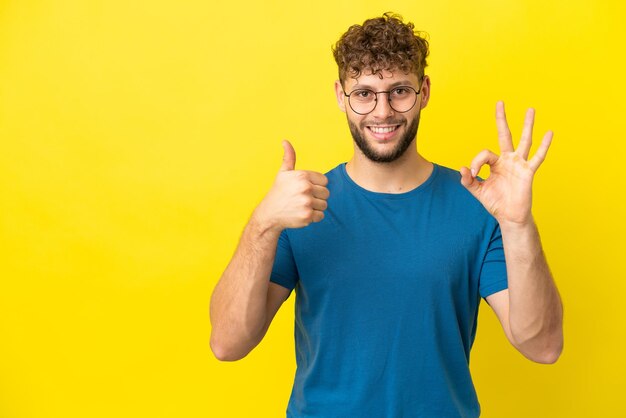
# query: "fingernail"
[[473, 172]]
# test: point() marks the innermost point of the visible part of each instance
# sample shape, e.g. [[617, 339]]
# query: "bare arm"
[[240, 307], [530, 310], [244, 301]]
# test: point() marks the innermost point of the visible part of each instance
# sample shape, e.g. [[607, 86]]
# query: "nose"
[[382, 109]]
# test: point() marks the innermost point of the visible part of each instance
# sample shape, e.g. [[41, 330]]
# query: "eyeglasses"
[[401, 99]]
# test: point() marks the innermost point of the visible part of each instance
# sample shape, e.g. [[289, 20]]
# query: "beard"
[[358, 134]]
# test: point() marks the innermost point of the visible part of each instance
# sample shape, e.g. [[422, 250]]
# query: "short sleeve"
[[284, 271], [493, 276]]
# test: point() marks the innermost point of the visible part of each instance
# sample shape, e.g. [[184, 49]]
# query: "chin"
[[388, 156], [400, 144]]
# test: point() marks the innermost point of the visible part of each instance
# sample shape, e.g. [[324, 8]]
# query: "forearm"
[[535, 308], [239, 300]]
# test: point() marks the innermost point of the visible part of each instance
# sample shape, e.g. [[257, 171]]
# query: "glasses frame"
[[376, 93]]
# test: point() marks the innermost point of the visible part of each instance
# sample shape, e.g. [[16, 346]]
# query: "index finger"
[[317, 178], [504, 134]]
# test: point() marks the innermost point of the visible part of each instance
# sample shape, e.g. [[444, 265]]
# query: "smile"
[[383, 129], [383, 133]]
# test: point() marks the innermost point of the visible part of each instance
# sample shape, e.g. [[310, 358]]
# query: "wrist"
[[264, 225], [517, 227]]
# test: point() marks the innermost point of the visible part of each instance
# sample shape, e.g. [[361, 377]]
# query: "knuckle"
[[307, 202], [306, 187]]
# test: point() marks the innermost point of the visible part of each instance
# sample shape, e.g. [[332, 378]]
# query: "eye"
[[401, 91], [362, 94]]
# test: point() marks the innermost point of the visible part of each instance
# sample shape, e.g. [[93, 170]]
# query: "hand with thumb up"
[[297, 197]]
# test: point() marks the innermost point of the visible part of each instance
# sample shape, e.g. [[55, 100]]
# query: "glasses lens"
[[402, 99], [362, 101]]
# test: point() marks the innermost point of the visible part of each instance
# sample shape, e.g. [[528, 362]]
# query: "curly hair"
[[382, 43]]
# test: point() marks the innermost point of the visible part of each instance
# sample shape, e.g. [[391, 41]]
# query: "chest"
[[399, 252]]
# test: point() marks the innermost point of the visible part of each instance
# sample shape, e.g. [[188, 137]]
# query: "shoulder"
[[448, 180], [448, 188], [336, 178], [335, 173]]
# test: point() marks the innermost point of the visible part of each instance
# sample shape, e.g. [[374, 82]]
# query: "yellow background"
[[136, 138]]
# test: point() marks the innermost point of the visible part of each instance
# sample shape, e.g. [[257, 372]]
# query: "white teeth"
[[383, 130]]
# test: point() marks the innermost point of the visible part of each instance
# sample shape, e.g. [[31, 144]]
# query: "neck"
[[400, 176]]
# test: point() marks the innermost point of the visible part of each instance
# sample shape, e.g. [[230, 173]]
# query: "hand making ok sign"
[[507, 192]]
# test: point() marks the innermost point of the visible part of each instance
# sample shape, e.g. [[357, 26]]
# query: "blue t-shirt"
[[387, 294]]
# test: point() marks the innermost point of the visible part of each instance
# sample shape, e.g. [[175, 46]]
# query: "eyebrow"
[[396, 84]]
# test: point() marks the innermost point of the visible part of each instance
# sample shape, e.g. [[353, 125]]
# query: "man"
[[390, 254]]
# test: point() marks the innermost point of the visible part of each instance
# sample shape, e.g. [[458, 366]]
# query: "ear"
[[425, 92], [341, 97]]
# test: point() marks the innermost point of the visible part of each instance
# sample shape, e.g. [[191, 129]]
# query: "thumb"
[[289, 157]]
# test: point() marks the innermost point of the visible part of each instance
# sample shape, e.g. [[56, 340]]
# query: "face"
[[383, 135]]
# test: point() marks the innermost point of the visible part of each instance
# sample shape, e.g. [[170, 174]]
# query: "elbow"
[[539, 341], [549, 356], [224, 352], [542, 349], [233, 342], [221, 354]]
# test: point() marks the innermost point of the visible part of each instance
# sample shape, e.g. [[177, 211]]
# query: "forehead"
[[382, 80]]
